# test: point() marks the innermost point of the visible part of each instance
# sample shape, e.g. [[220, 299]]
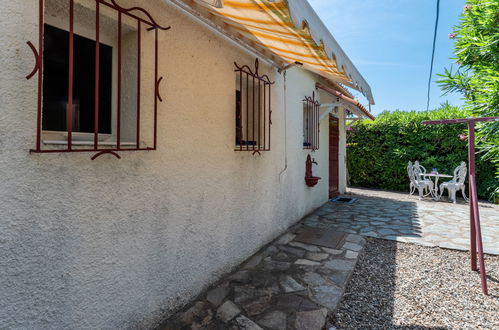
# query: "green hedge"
[[378, 151]]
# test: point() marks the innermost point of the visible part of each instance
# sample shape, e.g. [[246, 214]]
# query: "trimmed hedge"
[[378, 151]]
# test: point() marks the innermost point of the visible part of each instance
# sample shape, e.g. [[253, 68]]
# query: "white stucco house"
[[147, 147]]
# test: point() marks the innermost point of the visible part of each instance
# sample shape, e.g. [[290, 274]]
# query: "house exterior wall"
[[122, 243]]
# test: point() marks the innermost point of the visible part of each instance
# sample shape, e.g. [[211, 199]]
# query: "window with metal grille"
[[98, 79], [253, 111], [311, 130]]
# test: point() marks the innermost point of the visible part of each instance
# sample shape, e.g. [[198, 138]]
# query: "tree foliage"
[[378, 151], [477, 74]]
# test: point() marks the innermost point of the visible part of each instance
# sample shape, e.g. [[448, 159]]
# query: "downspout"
[[285, 131], [283, 70]]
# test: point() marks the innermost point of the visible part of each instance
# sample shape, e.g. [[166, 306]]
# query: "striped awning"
[[286, 31]]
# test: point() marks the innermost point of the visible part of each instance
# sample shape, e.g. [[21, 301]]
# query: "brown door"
[[333, 156]]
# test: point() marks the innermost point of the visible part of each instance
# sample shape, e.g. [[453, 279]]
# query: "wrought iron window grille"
[[311, 125], [136, 18], [253, 110]]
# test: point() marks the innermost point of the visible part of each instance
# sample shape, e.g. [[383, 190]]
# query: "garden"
[[378, 151]]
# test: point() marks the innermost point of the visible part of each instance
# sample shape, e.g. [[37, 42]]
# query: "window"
[[253, 115], [99, 90], [311, 130], [55, 83]]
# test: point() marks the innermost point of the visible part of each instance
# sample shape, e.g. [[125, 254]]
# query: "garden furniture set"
[[427, 183]]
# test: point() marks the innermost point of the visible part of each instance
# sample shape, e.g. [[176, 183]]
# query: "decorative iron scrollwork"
[[37, 60], [152, 21]]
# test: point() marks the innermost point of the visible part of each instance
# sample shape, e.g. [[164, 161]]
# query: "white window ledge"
[[88, 143]]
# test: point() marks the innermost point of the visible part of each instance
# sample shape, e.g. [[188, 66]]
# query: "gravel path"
[[404, 286]]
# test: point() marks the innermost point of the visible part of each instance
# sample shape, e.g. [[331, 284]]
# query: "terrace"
[[301, 280]]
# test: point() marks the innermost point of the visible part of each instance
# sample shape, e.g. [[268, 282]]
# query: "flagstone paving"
[[396, 216], [292, 284], [287, 285]]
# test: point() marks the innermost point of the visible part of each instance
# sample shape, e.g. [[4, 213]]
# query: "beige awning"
[[287, 31]]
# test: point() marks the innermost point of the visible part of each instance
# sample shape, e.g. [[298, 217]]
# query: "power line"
[[432, 55]]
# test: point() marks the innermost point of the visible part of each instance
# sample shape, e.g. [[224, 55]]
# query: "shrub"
[[476, 53], [378, 151]]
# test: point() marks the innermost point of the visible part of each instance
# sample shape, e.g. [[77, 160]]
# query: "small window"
[[253, 113], [55, 83], [311, 130], [99, 90]]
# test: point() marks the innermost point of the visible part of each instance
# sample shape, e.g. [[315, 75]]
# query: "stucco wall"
[[121, 243]]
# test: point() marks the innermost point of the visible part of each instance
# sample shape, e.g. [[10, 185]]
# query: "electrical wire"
[[432, 55]]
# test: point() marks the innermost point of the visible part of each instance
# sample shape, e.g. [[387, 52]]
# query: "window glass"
[[55, 82]]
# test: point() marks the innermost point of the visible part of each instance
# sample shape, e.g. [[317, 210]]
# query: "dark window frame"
[[253, 104], [150, 25], [311, 124]]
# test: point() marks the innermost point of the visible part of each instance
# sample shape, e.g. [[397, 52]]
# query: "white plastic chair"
[[420, 173], [418, 183], [457, 183]]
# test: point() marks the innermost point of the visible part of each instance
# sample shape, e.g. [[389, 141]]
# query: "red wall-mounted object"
[[310, 180]]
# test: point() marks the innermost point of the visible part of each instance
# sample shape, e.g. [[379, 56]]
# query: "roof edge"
[[347, 99], [301, 12]]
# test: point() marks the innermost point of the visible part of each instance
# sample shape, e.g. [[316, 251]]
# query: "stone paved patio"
[[396, 216], [293, 285], [287, 285]]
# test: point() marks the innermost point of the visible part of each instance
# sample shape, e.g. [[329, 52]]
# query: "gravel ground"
[[405, 286]]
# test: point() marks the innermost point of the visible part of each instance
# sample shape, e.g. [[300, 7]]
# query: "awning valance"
[[289, 31]]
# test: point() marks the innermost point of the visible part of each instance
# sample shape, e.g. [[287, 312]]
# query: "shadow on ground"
[[370, 216], [403, 218]]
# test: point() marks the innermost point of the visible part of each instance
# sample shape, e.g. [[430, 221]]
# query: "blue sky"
[[390, 41]]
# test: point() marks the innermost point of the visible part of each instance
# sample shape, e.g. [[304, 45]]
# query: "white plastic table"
[[436, 176]]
